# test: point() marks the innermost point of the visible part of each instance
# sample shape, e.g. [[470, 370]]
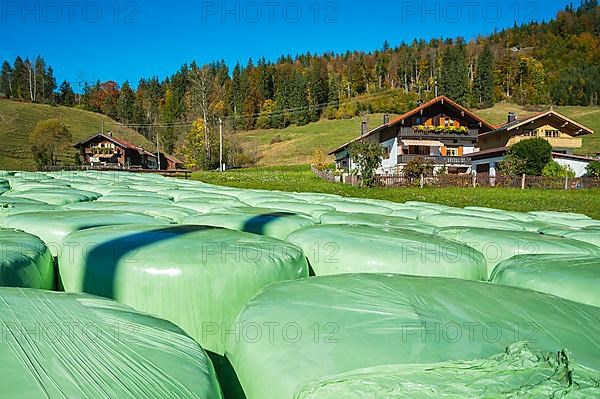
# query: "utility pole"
[[157, 151], [221, 168], [102, 127]]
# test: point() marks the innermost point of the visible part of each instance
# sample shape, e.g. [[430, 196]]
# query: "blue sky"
[[125, 40]]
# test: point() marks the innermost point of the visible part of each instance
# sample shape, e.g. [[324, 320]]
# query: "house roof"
[[575, 157], [401, 118], [490, 153], [117, 141], [170, 158], [567, 125]]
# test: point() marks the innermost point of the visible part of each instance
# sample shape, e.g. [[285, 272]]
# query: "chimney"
[[363, 128], [512, 117], [386, 119]]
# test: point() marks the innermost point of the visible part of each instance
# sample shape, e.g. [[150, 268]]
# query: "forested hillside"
[[555, 62]]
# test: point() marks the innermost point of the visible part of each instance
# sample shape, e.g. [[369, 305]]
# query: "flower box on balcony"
[[441, 129]]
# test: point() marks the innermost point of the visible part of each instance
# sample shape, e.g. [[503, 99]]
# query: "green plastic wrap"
[[453, 220], [499, 245], [209, 205], [136, 199], [339, 249], [171, 213], [420, 204], [4, 186], [53, 226], [573, 277], [559, 215], [371, 219], [198, 277], [14, 206], [522, 216], [355, 206], [25, 261], [408, 212], [54, 196], [519, 371], [57, 345], [325, 326], [266, 222], [591, 236], [314, 210], [472, 213]]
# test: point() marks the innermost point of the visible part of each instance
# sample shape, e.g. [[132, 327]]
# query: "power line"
[[280, 112]]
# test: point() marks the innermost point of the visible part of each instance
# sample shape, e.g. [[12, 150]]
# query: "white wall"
[[392, 161], [491, 161], [468, 150], [578, 166]]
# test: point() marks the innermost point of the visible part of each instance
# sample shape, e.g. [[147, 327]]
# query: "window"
[[552, 133], [386, 152], [452, 151], [448, 122]]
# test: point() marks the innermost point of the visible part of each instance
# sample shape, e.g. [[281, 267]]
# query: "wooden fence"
[[325, 175], [485, 180]]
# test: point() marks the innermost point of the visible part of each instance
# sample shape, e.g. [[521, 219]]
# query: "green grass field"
[[301, 179], [17, 120], [300, 142]]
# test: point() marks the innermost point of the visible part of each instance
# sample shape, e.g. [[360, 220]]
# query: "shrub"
[[49, 140], [367, 156], [319, 159], [536, 153], [554, 169], [511, 166], [417, 167], [593, 169]]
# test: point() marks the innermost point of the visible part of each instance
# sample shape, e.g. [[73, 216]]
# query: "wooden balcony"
[[437, 160], [411, 132], [555, 142]]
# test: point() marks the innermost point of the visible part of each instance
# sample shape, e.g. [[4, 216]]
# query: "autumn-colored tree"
[[49, 140]]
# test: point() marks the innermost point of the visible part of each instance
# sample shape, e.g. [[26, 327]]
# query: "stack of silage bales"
[[390, 311]]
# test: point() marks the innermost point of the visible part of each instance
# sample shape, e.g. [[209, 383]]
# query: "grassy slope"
[[301, 179], [17, 120], [301, 141]]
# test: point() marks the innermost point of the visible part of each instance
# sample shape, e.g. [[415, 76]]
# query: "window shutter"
[[443, 151], [460, 151]]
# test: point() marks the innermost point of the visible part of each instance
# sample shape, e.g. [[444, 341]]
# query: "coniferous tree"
[[485, 79], [6, 80], [454, 80], [126, 104], [66, 96]]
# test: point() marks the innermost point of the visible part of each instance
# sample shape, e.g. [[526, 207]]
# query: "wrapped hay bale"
[[356, 206], [25, 261], [453, 220], [331, 325], [568, 276], [54, 195], [262, 221], [198, 277], [591, 236], [499, 245], [314, 210], [53, 226], [371, 219], [339, 249], [58, 345]]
